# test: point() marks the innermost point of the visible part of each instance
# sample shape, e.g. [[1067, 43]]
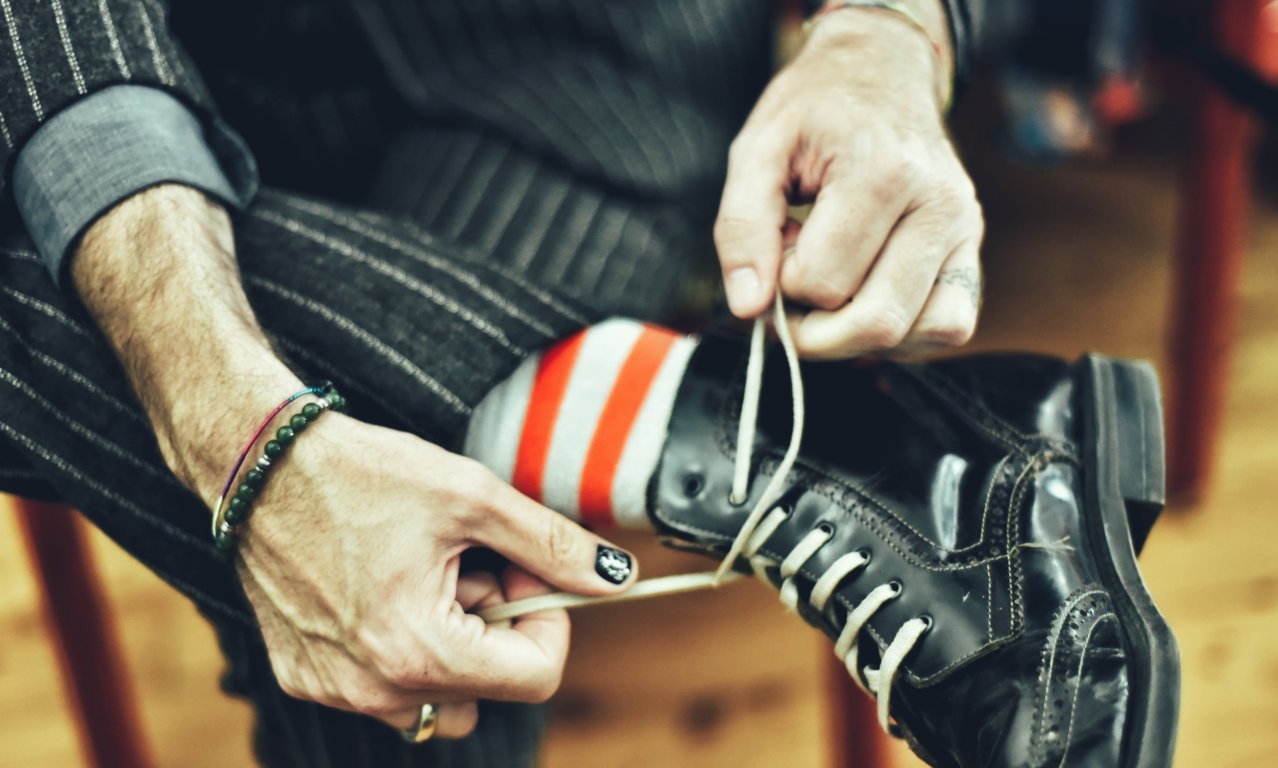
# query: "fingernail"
[[613, 565], [743, 286]]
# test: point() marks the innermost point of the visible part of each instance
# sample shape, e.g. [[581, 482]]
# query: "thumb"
[[553, 547], [747, 232]]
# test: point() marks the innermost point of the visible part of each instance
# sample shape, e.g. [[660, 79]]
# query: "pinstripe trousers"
[[525, 194]]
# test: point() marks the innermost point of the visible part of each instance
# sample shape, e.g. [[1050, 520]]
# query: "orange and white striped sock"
[[581, 426]]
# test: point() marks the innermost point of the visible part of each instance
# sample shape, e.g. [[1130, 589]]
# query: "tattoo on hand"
[[966, 277]]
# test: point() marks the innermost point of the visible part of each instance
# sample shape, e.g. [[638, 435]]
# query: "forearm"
[[158, 273]]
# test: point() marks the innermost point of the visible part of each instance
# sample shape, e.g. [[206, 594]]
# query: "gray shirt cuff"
[[112, 144]]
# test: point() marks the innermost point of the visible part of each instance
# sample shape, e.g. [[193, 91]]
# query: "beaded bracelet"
[[228, 515]]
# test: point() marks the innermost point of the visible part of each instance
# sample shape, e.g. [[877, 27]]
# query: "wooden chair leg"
[[1214, 211], [855, 738], [85, 640]]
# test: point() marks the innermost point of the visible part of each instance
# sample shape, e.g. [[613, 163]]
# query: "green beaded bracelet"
[[228, 514]]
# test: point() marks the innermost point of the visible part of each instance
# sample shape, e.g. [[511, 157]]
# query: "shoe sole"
[[1125, 480]]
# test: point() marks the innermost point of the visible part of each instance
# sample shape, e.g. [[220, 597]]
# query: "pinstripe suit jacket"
[[356, 68]]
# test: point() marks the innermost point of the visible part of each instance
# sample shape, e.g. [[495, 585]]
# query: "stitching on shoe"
[[1013, 537], [1014, 597], [1047, 660], [859, 512], [974, 412], [1015, 576], [1082, 659], [989, 602], [963, 403], [1085, 608], [868, 499], [826, 488], [844, 496], [995, 478], [730, 408], [1045, 451]]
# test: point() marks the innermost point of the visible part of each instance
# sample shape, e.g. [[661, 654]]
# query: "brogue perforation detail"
[[874, 514], [1063, 655]]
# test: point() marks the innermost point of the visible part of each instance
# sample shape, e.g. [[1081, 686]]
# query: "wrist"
[[202, 430], [911, 36]]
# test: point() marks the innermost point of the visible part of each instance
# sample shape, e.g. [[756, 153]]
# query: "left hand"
[[888, 259]]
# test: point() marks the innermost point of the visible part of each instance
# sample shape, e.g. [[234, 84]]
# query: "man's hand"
[[351, 557], [889, 256], [351, 563]]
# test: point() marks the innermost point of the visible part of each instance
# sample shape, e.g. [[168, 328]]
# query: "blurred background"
[[1128, 177]]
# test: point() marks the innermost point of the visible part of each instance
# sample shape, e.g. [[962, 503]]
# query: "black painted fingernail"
[[613, 565]]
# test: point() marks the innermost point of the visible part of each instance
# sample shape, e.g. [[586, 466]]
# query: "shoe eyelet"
[[897, 587], [693, 485], [863, 552], [827, 528], [928, 622]]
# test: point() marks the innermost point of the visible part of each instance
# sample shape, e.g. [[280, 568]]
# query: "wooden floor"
[[1078, 259]]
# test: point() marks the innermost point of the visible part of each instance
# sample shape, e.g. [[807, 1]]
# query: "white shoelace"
[[760, 524]]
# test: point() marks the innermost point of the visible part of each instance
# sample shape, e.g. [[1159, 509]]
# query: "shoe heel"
[[1123, 443], [1142, 474]]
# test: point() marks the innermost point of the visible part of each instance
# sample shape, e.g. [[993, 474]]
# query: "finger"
[[520, 662], [354, 690], [459, 657], [452, 721], [885, 308], [549, 545], [550, 630], [847, 229], [439, 646], [520, 584], [752, 212], [479, 589], [457, 721], [949, 317], [790, 237]]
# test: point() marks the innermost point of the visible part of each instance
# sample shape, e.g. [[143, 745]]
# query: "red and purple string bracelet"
[[228, 514]]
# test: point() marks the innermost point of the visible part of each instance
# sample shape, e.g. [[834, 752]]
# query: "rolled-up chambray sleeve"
[[112, 144]]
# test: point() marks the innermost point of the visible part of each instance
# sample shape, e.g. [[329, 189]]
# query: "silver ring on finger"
[[425, 728]]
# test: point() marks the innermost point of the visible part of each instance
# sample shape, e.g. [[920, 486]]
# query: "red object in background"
[[1118, 101], [1214, 212], [856, 741], [86, 645]]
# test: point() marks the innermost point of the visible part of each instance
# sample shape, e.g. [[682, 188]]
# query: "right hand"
[[351, 563]]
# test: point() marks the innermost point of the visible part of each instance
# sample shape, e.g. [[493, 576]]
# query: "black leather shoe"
[[975, 521]]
